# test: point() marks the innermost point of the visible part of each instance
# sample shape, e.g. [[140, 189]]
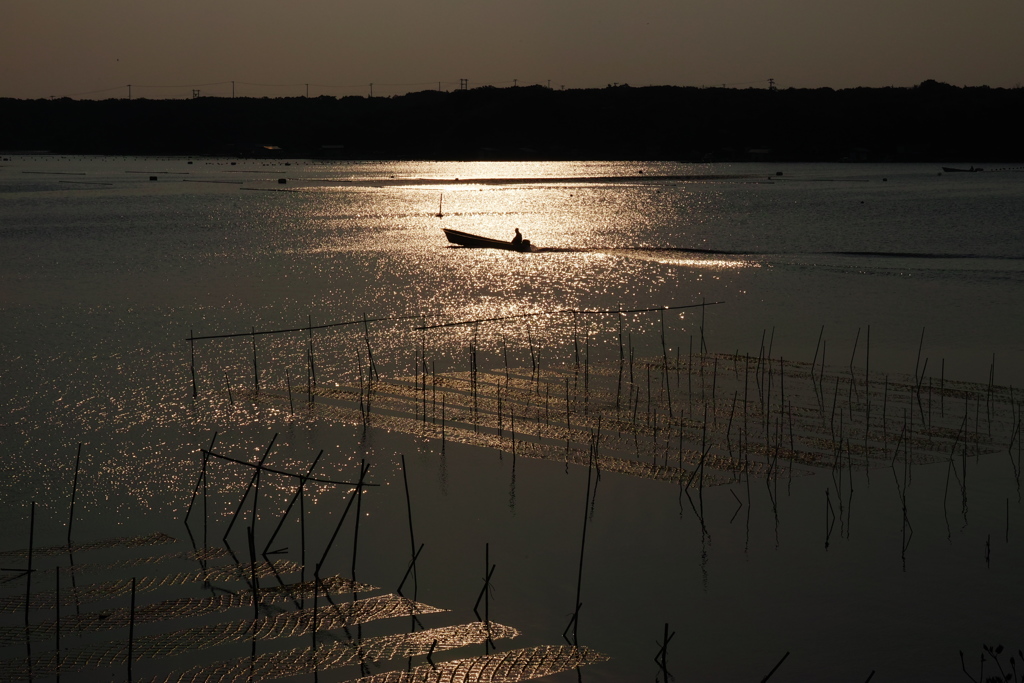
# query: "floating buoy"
[[152, 177], [282, 181]]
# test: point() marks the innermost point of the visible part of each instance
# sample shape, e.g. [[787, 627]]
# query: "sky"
[[95, 48]]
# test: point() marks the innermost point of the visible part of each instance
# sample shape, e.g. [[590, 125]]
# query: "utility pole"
[[307, 91], [232, 90], [195, 94], [771, 84], [129, 91], [371, 90], [515, 82]]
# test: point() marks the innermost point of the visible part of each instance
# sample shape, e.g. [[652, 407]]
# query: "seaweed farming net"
[[726, 415], [336, 655], [284, 625], [505, 667], [77, 595], [156, 538], [181, 608]]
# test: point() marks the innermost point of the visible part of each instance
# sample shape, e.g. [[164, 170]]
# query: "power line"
[[93, 92], [462, 84], [189, 85]]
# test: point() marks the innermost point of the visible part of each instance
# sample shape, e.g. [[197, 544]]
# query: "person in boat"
[[517, 241]]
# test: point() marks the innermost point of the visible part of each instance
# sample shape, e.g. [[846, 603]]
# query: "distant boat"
[[465, 239], [947, 169]]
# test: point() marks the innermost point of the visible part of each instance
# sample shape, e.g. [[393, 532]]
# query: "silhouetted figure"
[[517, 241]]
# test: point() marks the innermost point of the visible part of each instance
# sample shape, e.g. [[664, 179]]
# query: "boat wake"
[[754, 253]]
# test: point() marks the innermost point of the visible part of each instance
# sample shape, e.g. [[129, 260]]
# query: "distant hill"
[[929, 122]]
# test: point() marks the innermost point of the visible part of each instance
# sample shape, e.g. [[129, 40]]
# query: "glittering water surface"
[[107, 273]]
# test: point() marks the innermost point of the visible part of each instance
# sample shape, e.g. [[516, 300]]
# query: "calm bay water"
[[106, 273]]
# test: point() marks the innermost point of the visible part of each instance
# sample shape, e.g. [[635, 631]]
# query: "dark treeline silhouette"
[[929, 122]]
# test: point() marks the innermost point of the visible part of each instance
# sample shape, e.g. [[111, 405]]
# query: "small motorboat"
[[948, 169], [465, 239]]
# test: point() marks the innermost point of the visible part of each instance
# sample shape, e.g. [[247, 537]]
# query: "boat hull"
[[465, 239]]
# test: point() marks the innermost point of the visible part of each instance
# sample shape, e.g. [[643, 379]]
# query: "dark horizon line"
[[533, 86]]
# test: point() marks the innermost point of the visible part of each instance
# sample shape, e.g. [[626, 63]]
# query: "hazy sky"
[[75, 47]]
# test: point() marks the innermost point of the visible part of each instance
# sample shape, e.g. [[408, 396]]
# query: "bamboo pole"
[[131, 633], [411, 570], [702, 305], [312, 357], [56, 608], [192, 358], [412, 536], [252, 481], [255, 368], [664, 355], [298, 493], [74, 492], [28, 573], [918, 362], [369, 351], [346, 323], [583, 544], [816, 347], [254, 579], [363, 469], [703, 343], [359, 514]]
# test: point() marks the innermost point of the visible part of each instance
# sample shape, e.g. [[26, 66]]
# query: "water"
[[107, 273]]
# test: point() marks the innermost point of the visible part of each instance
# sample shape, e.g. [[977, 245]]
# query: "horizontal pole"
[[303, 329], [568, 310], [283, 473]]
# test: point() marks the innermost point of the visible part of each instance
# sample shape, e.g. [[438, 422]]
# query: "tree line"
[[928, 122]]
